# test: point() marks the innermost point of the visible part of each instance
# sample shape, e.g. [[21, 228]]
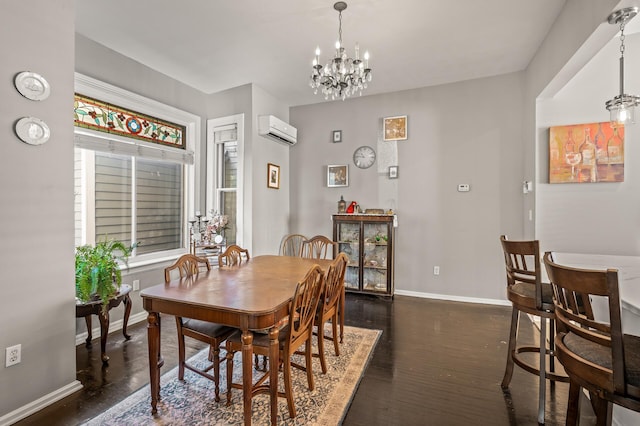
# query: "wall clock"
[[364, 157]]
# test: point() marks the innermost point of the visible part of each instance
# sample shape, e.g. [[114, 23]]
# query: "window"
[[132, 199], [133, 190], [224, 173]]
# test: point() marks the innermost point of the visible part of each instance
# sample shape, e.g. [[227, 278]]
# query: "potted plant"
[[98, 275]]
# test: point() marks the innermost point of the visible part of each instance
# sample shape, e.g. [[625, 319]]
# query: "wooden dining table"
[[252, 296]]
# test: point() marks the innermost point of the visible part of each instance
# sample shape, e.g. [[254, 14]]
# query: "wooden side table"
[[95, 308]]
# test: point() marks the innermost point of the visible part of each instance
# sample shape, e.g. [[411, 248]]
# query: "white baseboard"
[[453, 298], [113, 326], [40, 403]]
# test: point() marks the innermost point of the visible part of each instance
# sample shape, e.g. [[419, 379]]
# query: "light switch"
[[463, 187]]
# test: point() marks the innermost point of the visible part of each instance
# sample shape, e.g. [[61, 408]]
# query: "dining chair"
[[329, 306], [214, 334], [318, 248], [233, 255], [291, 245], [592, 348], [297, 332], [529, 295]]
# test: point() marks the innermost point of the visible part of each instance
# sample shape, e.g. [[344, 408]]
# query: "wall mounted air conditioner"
[[276, 129]]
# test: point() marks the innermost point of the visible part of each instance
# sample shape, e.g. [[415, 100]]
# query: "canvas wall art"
[[586, 153]]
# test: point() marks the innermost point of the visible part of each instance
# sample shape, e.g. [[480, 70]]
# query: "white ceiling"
[[213, 45]]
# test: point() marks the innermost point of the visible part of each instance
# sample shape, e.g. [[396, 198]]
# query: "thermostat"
[[463, 187]]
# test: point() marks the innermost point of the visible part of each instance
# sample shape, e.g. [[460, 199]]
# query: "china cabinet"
[[368, 241]]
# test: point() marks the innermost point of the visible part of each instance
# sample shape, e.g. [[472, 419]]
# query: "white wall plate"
[[32, 86], [32, 130]]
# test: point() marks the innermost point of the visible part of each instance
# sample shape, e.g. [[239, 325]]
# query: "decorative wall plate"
[[32, 130], [218, 239], [32, 86]]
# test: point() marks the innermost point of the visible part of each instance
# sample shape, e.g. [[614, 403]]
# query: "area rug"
[[190, 402]]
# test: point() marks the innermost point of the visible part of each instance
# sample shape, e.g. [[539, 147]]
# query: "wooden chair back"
[[318, 248], [522, 262], [187, 265], [233, 255], [573, 290], [334, 284], [291, 245], [303, 307]]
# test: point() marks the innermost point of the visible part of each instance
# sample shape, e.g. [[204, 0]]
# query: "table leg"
[[103, 316], [127, 312], [274, 352], [87, 320], [153, 337], [247, 373]]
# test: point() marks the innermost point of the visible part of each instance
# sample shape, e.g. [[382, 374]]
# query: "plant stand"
[[95, 308]]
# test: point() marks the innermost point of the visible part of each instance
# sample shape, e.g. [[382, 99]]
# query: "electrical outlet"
[[436, 270], [14, 355], [136, 285]]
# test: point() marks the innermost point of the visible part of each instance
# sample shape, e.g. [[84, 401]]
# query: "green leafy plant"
[[98, 275]]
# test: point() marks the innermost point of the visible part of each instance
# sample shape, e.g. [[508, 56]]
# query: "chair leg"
[[552, 348], [323, 362], [334, 328], [308, 355], [216, 370], [508, 372], [180, 349], [229, 357], [288, 386], [542, 385], [573, 404], [602, 409]]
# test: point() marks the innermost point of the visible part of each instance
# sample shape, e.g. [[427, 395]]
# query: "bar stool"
[[528, 294]]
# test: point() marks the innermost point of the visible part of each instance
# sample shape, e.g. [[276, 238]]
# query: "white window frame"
[[212, 190], [117, 96]]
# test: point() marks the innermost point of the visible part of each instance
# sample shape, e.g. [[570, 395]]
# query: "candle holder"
[[197, 228]]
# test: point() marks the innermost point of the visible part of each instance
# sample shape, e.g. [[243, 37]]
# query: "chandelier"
[[343, 76], [622, 106]]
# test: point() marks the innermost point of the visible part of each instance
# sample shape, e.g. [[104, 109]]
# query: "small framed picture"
[[337, 136], [395, 128], [273, 176], [337, 176], [393, 172]]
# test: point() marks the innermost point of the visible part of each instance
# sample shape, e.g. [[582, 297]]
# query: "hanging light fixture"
[[622, 106], [343, 76]]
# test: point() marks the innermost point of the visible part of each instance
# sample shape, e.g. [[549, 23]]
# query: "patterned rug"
[[190, 402]]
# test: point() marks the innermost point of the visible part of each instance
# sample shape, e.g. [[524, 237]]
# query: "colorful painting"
[[586, 153]]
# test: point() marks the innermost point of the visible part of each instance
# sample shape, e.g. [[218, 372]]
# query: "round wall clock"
[[364, 157]]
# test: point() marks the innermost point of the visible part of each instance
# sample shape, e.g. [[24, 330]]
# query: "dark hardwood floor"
[[437, 363]]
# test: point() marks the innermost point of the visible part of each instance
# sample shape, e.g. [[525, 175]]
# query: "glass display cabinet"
[[368, 241]]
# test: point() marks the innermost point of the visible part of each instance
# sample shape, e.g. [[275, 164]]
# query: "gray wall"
[[36, 217], [465, 132], [597, 218]]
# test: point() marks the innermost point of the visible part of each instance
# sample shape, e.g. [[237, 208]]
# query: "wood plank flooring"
[[437, 363]]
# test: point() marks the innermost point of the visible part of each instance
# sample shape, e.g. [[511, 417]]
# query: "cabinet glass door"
[[374, 271], [349, 244]]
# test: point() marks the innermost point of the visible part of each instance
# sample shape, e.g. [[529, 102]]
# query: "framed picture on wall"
[[395, 128], [337, 136], [273, 176], [337, 176], [586, 153]]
